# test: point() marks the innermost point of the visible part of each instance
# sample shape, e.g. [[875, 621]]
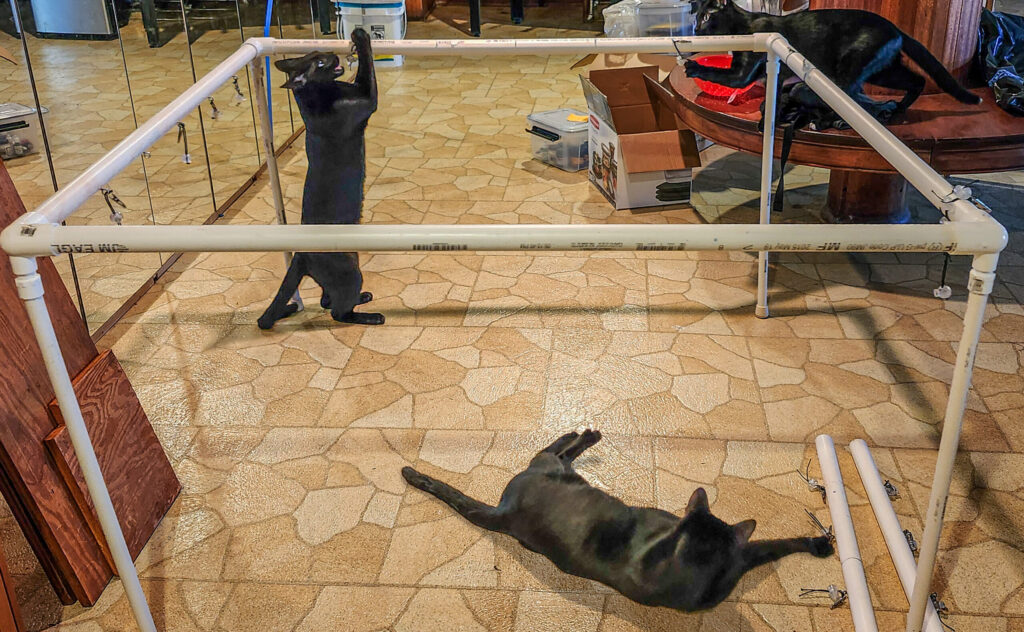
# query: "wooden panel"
[[418, 9], [950, 136], [10, 615], [24, 420], [141, 481], [35, 541]]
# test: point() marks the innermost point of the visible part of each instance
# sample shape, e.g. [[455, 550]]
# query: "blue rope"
[[266, 33]]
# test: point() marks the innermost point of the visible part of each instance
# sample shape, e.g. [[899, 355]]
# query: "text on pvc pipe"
[[78, 248]]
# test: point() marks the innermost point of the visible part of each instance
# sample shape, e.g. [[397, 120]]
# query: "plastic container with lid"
[[382, 19], [620, 19], [665, 18], [559, 138], [19, 131]]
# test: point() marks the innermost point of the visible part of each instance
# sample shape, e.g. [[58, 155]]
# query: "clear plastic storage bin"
[[559, 138], [19, 131], [664, 18]]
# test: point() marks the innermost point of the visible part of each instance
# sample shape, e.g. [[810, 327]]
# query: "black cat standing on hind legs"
[[649, 555], [335, 114], [852, 47]]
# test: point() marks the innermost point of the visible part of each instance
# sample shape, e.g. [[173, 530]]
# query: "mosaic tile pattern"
[[288, 443]]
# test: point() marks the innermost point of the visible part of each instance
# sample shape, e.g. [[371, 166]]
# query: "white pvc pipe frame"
[[969, 231]]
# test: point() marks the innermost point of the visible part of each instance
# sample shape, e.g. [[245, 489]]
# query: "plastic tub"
[[382, 20], [559, 138], [19, 131], [664, 18], [620, 19]]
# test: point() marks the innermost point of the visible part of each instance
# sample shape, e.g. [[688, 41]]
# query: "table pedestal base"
[[866, 198]]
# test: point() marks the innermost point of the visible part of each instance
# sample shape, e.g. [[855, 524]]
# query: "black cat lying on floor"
[[850, 46], [649, 555], [335, 114]]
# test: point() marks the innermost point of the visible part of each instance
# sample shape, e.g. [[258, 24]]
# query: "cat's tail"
[[475, 511], [924, 58]]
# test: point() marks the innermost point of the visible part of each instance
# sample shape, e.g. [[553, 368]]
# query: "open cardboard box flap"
[[652, 136], [659, 151], [624, 86]]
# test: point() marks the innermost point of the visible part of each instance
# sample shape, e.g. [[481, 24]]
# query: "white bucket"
[[383, 20]]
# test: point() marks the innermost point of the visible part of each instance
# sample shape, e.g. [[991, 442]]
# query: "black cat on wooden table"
[[649, 555], [851, 47], [335, 114]]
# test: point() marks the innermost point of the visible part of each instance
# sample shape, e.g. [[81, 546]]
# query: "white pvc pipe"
[[47, 239], [933, 186], [60, 205], [767, 162], [846, 539], [889, 524], [488, 47], [30, 289], [267, 138], [981, 280]]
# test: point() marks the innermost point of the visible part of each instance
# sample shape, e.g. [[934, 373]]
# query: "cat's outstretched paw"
[[693, 69], [360, 318], [360, 37], [365, 297], [821, 546]]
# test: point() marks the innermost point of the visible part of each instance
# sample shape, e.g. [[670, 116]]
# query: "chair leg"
[[474, 18], [518, 12]]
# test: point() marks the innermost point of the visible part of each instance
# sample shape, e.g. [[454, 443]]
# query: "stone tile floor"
[[288, 443]]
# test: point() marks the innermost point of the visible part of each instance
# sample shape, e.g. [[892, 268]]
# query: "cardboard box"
[[641, 153]]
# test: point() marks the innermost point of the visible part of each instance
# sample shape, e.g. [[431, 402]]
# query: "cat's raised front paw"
[[821, 546]]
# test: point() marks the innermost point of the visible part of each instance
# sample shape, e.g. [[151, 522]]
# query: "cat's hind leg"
[[569, 446], [484, 516], [587, 439], [896, 76], [280, 307]]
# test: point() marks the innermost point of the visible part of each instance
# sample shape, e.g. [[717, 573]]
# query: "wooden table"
[[948, 135]]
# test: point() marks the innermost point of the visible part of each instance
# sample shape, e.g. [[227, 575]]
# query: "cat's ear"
[[744, 530], [297, 78], [698, 501]]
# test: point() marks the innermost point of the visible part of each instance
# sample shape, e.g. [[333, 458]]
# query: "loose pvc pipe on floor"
[[846, 539], [889, 524], [767, 162]]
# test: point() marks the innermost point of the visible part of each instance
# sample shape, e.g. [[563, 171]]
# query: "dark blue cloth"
[[1001, 56]]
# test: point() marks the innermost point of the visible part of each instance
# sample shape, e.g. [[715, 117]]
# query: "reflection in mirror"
[[156, 55], [22, 146], [291, 18], [228, 118], [80, 79], [24, 158]]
